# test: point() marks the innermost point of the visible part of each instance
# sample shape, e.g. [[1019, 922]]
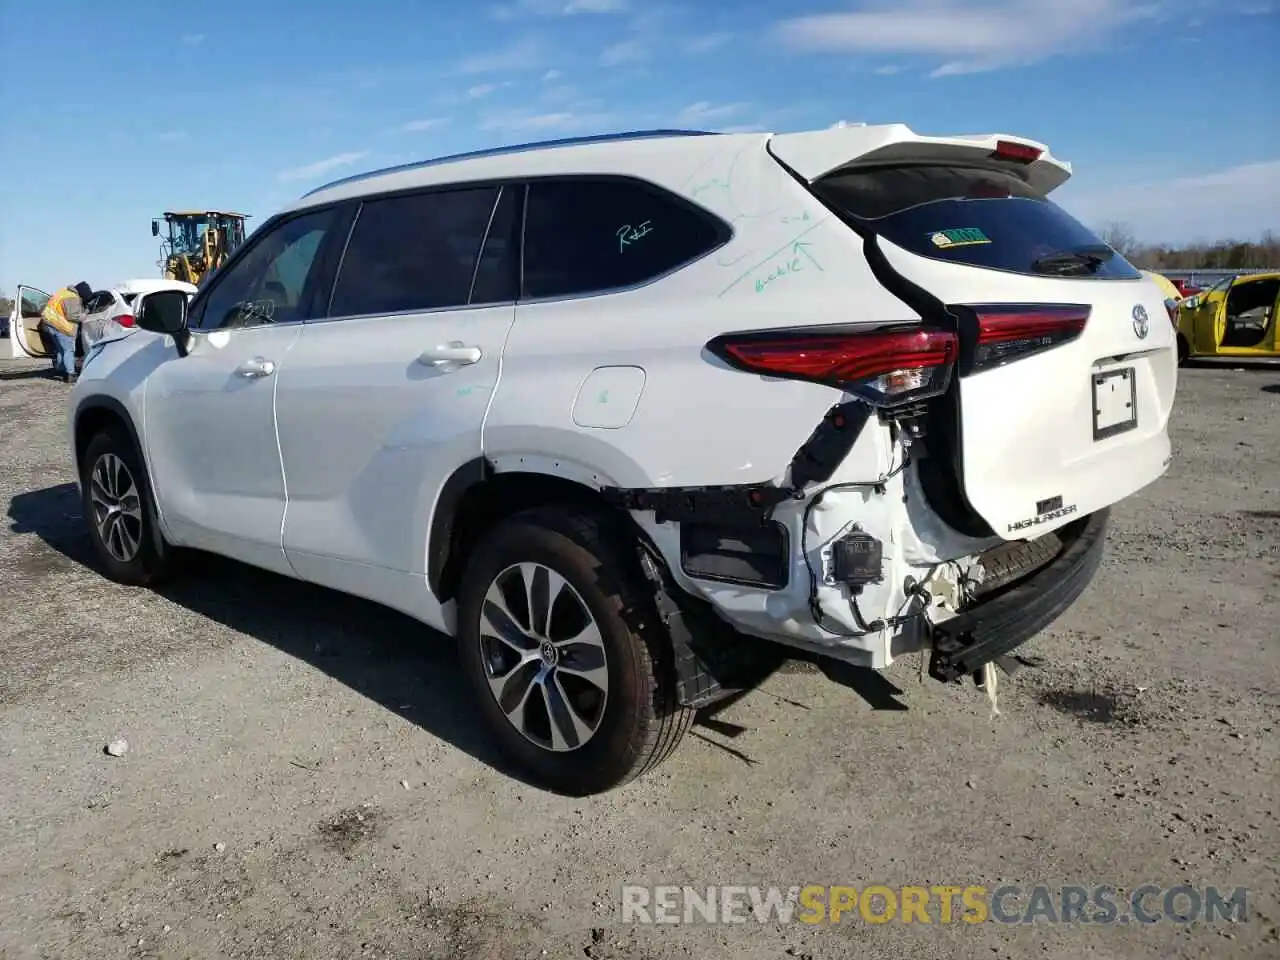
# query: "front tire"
[[561, 643], [118, 507]]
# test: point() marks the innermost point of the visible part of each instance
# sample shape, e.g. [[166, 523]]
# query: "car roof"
[[152, 284], [515, 149], [672, 157], [607, 153]]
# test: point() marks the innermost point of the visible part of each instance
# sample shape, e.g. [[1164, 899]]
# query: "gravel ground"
[[305, 777]]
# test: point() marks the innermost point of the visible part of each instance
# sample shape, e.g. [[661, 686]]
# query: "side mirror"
[[165, 311], [155, 228], [1191, 303]]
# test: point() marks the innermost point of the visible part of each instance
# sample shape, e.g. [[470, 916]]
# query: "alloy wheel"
[[544, 657], [117, 507]]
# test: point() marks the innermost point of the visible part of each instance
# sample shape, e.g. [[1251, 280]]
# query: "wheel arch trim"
[[478, 471], [109, 404]]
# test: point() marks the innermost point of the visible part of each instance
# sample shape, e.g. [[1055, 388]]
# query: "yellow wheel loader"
[[197, 242]]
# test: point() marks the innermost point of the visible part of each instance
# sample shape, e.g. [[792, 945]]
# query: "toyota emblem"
[[1140, 322]]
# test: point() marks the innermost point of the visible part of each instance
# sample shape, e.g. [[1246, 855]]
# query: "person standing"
[[59, 324]]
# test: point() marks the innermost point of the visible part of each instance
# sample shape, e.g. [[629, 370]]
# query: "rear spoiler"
[[821, 153]]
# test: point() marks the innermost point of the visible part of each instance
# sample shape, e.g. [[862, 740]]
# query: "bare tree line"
[[1222, 255]]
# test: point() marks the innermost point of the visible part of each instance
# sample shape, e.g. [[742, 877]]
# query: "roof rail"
[[516, 148]]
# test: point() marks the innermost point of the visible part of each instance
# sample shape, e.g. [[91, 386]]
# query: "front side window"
[[412, 253], [270, 284], [33, 302], [588, 236]]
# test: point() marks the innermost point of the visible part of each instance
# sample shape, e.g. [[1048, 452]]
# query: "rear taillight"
[[125, 320], [1012, 331], [885, 367]]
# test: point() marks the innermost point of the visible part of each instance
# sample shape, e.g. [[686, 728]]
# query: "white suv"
[[613, 410]]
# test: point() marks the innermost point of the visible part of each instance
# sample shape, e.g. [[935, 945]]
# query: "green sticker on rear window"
[[963, 237]]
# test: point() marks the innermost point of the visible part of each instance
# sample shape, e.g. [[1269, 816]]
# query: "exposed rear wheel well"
[[484, 505]]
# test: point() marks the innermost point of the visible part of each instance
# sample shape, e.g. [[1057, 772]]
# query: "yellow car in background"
[[1171, 293], [1166, 285], [1236, 317]]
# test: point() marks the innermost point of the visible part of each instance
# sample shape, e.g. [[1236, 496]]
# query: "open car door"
[[1249, 316], [24, 337], [1272, 344], [1209, 318]]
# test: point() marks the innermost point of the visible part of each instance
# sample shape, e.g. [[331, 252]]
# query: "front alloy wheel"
[[544, 657], [115, 499], [117, 507]]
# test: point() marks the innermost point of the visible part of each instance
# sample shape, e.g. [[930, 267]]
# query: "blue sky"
[[1166, 108]]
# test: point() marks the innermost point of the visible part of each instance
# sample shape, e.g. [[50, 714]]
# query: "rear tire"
[[116, 499], [581, 643]]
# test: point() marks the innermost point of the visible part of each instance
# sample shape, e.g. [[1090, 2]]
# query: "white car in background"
[[107, 313]]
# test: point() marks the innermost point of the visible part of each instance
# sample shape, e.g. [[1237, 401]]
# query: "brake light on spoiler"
[[884, 366], [1017, 152]]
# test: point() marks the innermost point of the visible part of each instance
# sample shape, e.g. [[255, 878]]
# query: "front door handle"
[[257, 367], [453, 353]]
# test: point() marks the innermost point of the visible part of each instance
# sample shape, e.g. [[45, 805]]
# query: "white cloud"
[[1238, 202], [559, 93], [321, 167], [554, 8], [706, 42], [968, 36], [552, 75], [887, 71], [521, 55], [193, 39], [704, 112], [555, 120], [420, 126], [593, 6], [627, 51], [481, 90], [173, 136]]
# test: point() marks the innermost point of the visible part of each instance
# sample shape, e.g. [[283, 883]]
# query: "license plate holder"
[[1115, 402]]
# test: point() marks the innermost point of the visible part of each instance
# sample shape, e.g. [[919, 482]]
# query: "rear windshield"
[[983, 218]]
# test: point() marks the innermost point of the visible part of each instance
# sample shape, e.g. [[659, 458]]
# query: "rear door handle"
[[257, 367], [450, 353]]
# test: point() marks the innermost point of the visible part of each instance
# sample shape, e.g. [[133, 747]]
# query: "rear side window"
[[589, 236], [983, 218], [411, 253], [99, 301]]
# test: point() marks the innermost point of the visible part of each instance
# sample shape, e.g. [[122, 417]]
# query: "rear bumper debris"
[[992, 628]]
